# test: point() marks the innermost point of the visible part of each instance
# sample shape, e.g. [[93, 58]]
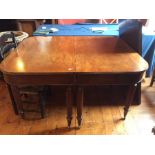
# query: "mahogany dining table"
[[75, 62]]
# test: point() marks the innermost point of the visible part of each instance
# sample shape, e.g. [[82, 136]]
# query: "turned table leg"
[[12, 100], [130, 95], [79, 105], [69, 105]]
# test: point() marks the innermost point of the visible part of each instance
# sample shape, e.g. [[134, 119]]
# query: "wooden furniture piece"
[[153, 78], [17, 92], [74, 61], [41, 61], [7, 43], [107, 61], [29, 25], [41, 92]]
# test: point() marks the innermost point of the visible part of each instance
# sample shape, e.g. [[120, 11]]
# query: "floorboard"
[[100, 117]]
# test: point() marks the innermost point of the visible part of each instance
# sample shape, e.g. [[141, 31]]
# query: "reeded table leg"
[[79, 105], [12, 100], [130, 96], [69, 105]]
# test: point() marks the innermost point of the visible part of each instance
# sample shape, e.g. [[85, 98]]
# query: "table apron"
[[74, 79], [54, 79], [108, 79]]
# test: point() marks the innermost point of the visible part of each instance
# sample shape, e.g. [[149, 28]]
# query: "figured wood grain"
[[41, 55], [106, 55], [73, 54]]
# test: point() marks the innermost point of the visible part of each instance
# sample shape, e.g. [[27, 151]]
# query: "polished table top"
[[81, 54]]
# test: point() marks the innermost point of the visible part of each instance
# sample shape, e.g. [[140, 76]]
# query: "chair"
[[5, 48], [40, 91], [152, 79]]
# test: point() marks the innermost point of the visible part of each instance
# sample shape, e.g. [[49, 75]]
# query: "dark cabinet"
[[29, 25]]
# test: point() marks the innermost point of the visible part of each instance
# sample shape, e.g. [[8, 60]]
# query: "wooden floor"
[[98, 118]]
